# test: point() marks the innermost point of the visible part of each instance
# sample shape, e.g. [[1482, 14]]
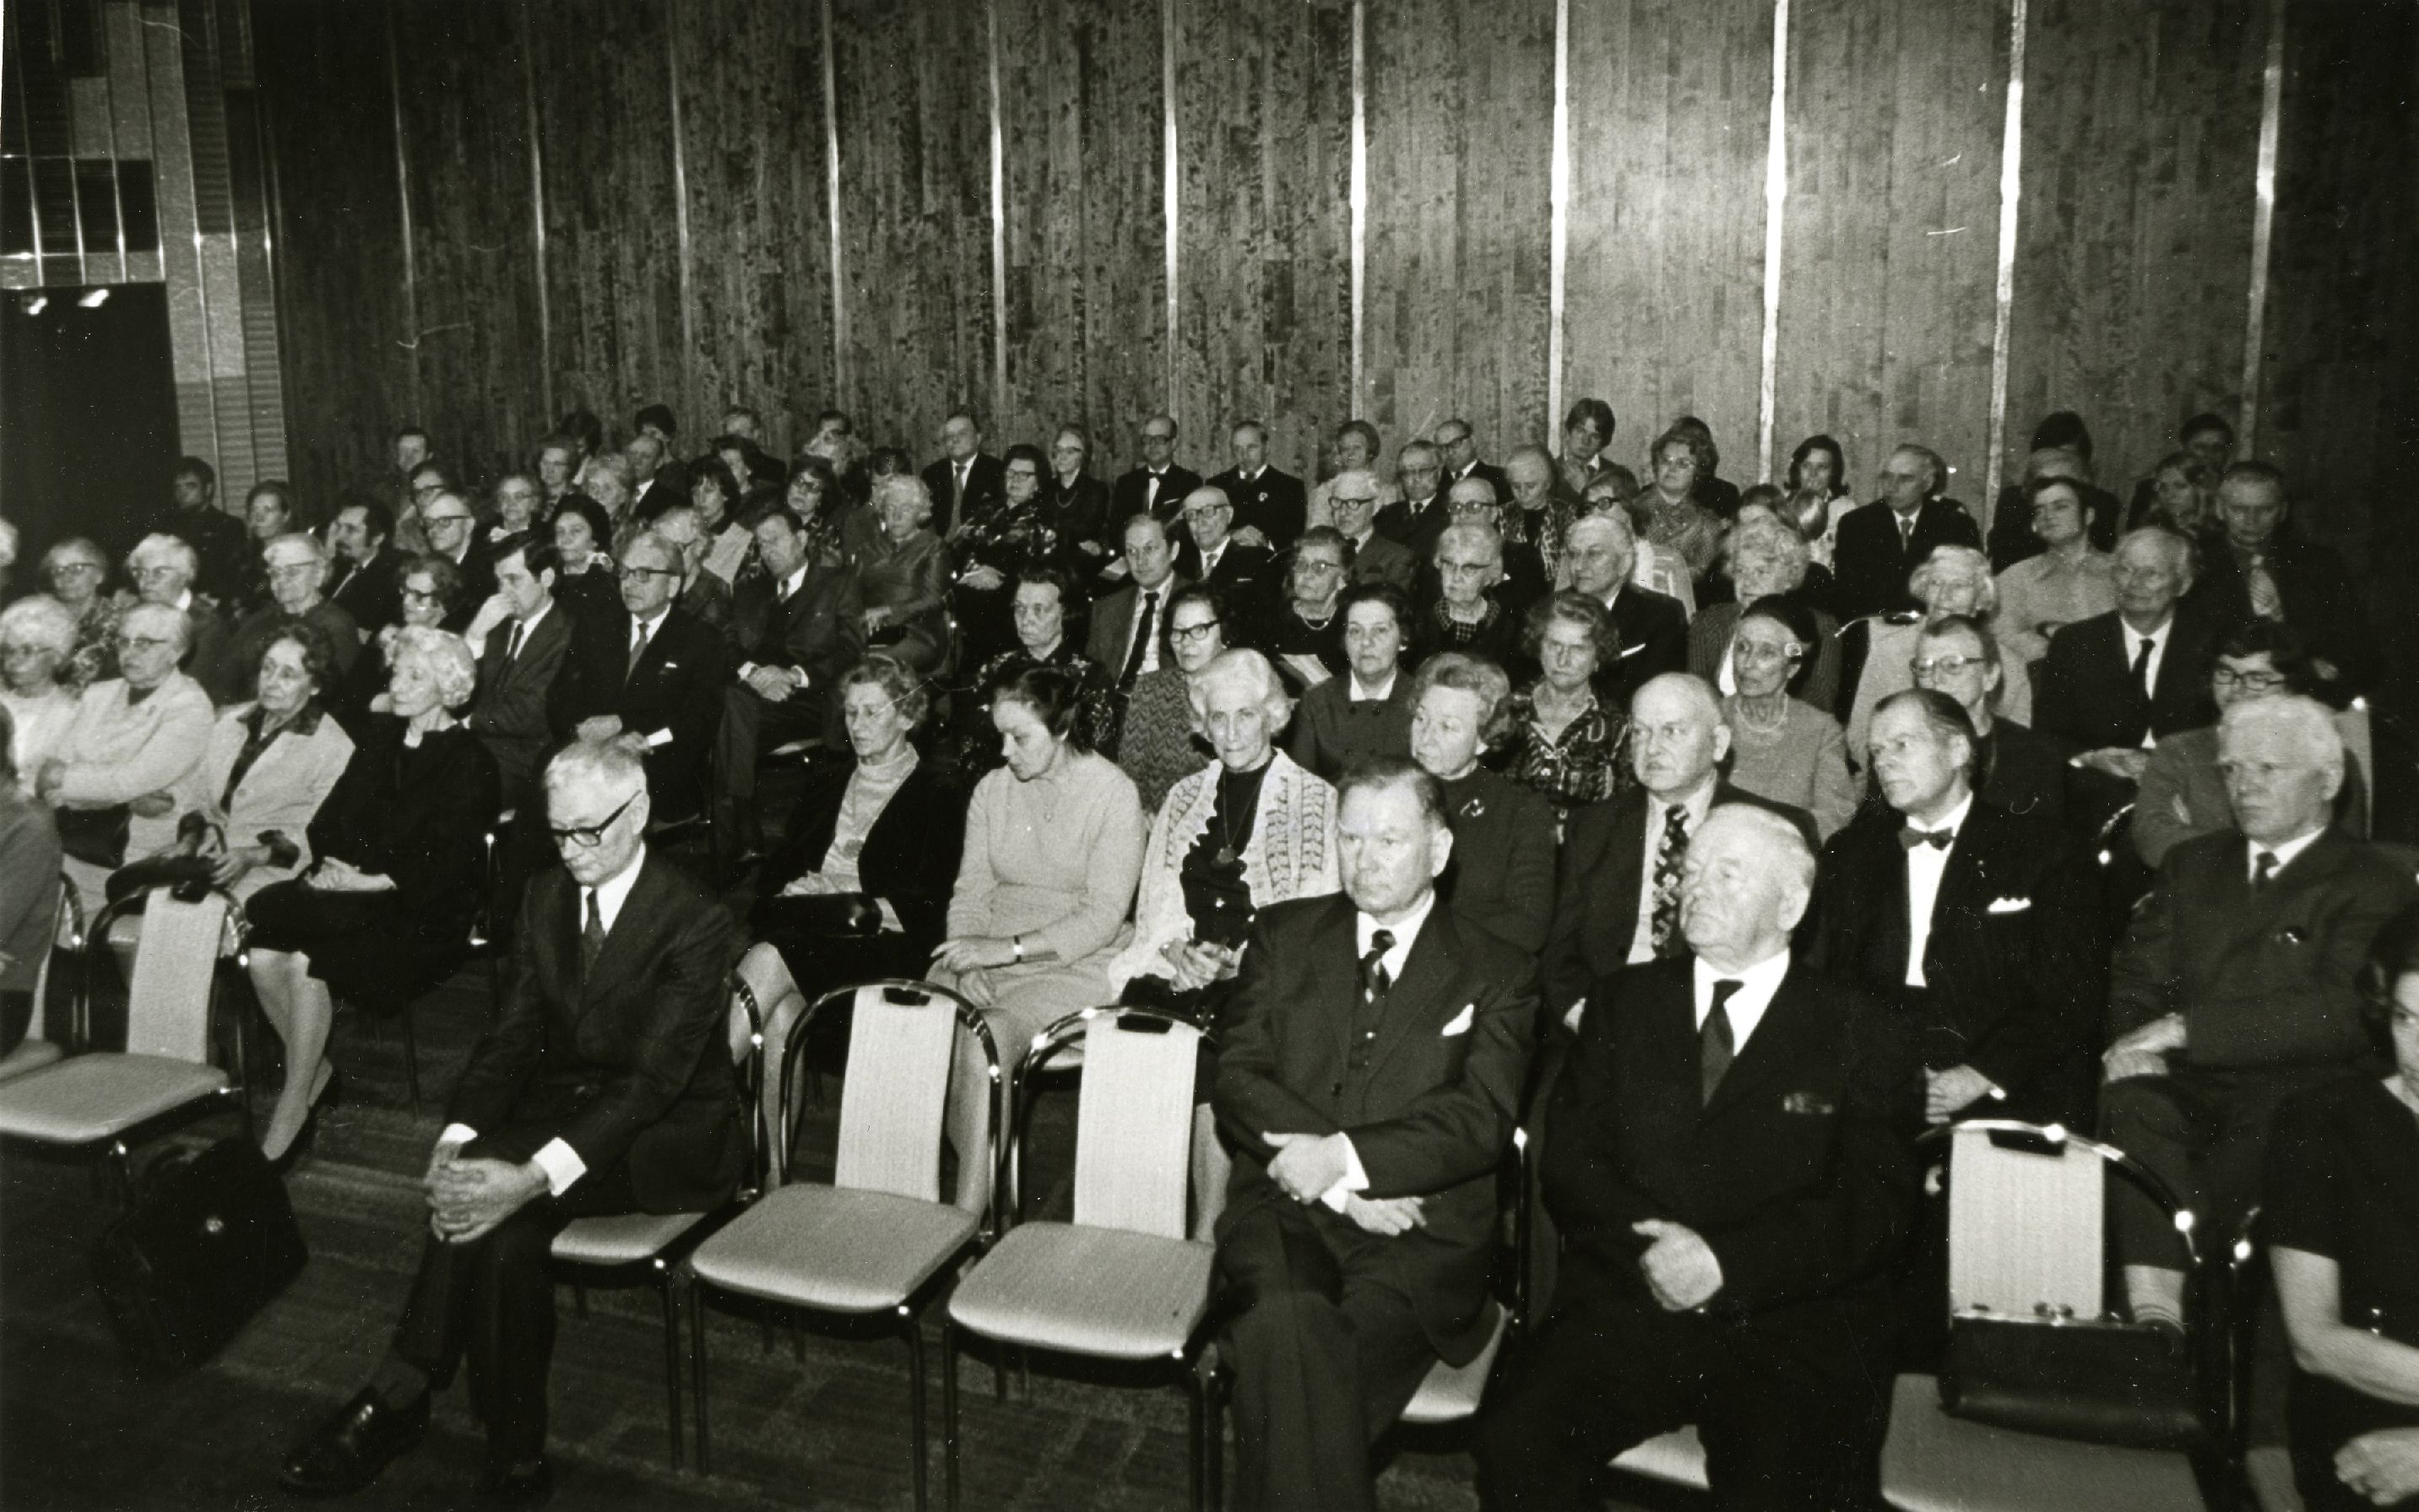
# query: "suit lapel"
[[1419, 1003], [1782, 1040], [1629, 872], [622, 939], [1335, 976]]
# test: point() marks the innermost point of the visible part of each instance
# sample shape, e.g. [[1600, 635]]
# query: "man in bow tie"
[[1374, 1059], [1734, 1173]]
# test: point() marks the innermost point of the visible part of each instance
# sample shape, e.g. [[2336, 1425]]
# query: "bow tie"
[[1911, 836]]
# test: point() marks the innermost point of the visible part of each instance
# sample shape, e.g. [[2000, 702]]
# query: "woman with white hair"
[[1954, 579], [1767, 559], [1250, 830], [902, 573], [134, 739], [76, 569], [385, 911], [37, 636]]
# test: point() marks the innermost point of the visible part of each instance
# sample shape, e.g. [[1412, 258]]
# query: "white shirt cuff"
[[458, 1135], [1355, 1178], [659, 740], [746, 669], [562, 1165]]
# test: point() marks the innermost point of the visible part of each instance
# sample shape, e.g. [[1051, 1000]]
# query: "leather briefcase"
[[2105, 1381], [210, 1239]]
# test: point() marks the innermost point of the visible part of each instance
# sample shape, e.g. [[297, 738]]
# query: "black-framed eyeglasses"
[[630, 571], [420, 595], [2251, 682], [587, 837], [1191, 632], [1943, 666]]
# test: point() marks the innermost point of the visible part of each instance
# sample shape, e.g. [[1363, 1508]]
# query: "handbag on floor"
[[208, 1241]]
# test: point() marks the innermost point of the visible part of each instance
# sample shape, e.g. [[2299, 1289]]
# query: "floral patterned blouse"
[[1587, 762]]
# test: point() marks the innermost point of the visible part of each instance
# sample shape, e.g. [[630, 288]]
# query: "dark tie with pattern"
[[1146, 626], [1375, 984], [2263, 871], [638, 649], [1716, 1045], [512, 646], [1669, 857], [592, 937], [2141, 680]]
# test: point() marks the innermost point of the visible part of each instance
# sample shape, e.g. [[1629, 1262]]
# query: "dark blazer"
[[1379, 560], [2024, 771], [910, 856], [627, 1063], [1126, 499], [478, 570], [510, 712], [1431, 1116], [1418, 529], [1080, 515], [1245, 574], [2015, 961], [1871, 566], [822, 624], [672, 699], [986, 485], [2319, 601], [1800, 1173], [221, 546], [1275, 501], [373, 596], [1330, 731], [2083, 690], [1113, 623], [422, 821], [1654, 630], [1502, 875], [1596, 898], [2264, 981]]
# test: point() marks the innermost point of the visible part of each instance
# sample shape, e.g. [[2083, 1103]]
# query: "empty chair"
[[1121, 1282], [879, 1239]]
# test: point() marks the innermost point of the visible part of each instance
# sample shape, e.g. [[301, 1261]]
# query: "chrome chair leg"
[[696, 1365], [916, 1399], [665, 1287], [949, 1413]]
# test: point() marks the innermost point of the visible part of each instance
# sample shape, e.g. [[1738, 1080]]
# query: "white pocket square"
[[2010, 905], [1461, 1021]]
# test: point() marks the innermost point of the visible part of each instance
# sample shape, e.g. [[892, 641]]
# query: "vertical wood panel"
[[474, 240], [1671, 115], [612, 263], [2140, 125], [1886, 301], [1460, 132], [1263, 124], [1081, 115], [915, 213], [759, 261]]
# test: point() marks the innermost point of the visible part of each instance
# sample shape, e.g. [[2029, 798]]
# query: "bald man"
[[1881, 543], [1600, 554]]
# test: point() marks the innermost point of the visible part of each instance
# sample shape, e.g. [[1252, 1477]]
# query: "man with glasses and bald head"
[[163, 569], [135, 738], [1881, 543], [1159, 485], [453, 533], [651, 668], [604, 1088]]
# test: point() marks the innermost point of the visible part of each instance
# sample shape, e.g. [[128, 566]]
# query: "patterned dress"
[[1587, 762]]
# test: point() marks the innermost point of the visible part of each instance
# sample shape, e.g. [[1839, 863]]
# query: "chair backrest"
[[1133, 1120], [2027, 1221], [744, 1036], [67, 928], [2360, 750], [901, 1040], [175, 970]]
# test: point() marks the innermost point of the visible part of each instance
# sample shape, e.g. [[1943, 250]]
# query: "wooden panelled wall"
[[612, 201]]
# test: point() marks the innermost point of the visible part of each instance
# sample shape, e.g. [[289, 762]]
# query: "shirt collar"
[[544, 608], [2285, 853], [649, 626], [1404, 930], [1954, 821], [791, 583], [2133, 637], [613, 892], [1697, 804], [1748, 1005], [1354, 694]]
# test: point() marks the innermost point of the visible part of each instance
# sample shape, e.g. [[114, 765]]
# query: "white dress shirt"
[[2283, 852], [1153, 602], [1698, 804], [1926, 865], [781, 592], [558, 1161], [1364, 929], [2158, 638], [1747, 1007], [1380, 694]]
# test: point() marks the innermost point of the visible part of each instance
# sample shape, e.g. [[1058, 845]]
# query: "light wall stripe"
[[2263, 221], [1775, 204], [1558, 215], [842, 374], [1171, 183], [999, 226], [1359, 193], [2012, 156], [680, 193], [537, 216], [403, 193]]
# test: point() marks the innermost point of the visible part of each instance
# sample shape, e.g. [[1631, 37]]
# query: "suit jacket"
[[2086, 690], [672, 698], [1275, 501], [371, 595], [281, 791], [2317, 594], [1379, 560], [1602, 878], [510, 712], [986, 485], [1329, 730], [2024, 771], [478, 570], [822, 630], [1871, 566], [1127, 499], [2016, 959], [1654, 630], [1245, 574], [1800, 1173], [2264, 980], [1113, 625], [1415, 526], [910, 859], [1502, 875], [627, 1063], [2184, 794], [1431, 1114]]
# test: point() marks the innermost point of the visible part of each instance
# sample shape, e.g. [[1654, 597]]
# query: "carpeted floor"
[[820, 1422]]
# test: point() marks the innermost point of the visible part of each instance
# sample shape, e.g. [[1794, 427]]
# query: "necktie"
[[1375, 984], [1716, 1045], [1905, 532], [1669, 854], [1939, 839], [1145, 626], [513, 647], [592, 936], [2141, 680], [2263, 871], [638, 649], [2266, 602], [1151, 490]]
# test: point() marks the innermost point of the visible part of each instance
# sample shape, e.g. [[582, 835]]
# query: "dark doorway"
[[88, 414]]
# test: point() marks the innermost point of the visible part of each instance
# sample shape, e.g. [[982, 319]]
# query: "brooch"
[[1473, 809]]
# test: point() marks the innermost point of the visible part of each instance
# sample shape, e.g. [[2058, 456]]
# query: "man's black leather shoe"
[[526, 1483], [347, 1451]]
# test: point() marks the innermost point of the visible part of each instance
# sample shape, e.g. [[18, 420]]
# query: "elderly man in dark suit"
[[1272, 507], [1129, 633], [2267, 572], [1353, 495], [2016, 768], [453, 534], [1457, 444], [797, 628], [2236, 985], [652, 669], [1159, 485], [1214, 554], [966, 479], [1733, 1170], [604, 1088], [1417, 521], [1375, 1053], [1880, 544], [1600, 552]]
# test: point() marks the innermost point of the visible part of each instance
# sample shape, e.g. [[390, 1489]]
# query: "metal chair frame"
[[1204, 1467], [661, 1268], [909, 1312]]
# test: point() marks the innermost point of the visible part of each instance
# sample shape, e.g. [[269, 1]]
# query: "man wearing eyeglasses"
[[1215, 556], [649, 669], [605, 1088], [2016, 767], [453, 534], [163, 569], [1160, 485], [298, 566], [1417, 521], [136, 737]]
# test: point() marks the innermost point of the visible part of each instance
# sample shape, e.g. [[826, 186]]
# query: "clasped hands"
[[776, 685], [2382, 1466], [332, 875], [1681, 1269], [466, 1198], [1197, 964], [1308, 1166], [1947, 1094], [2144, 1052]]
